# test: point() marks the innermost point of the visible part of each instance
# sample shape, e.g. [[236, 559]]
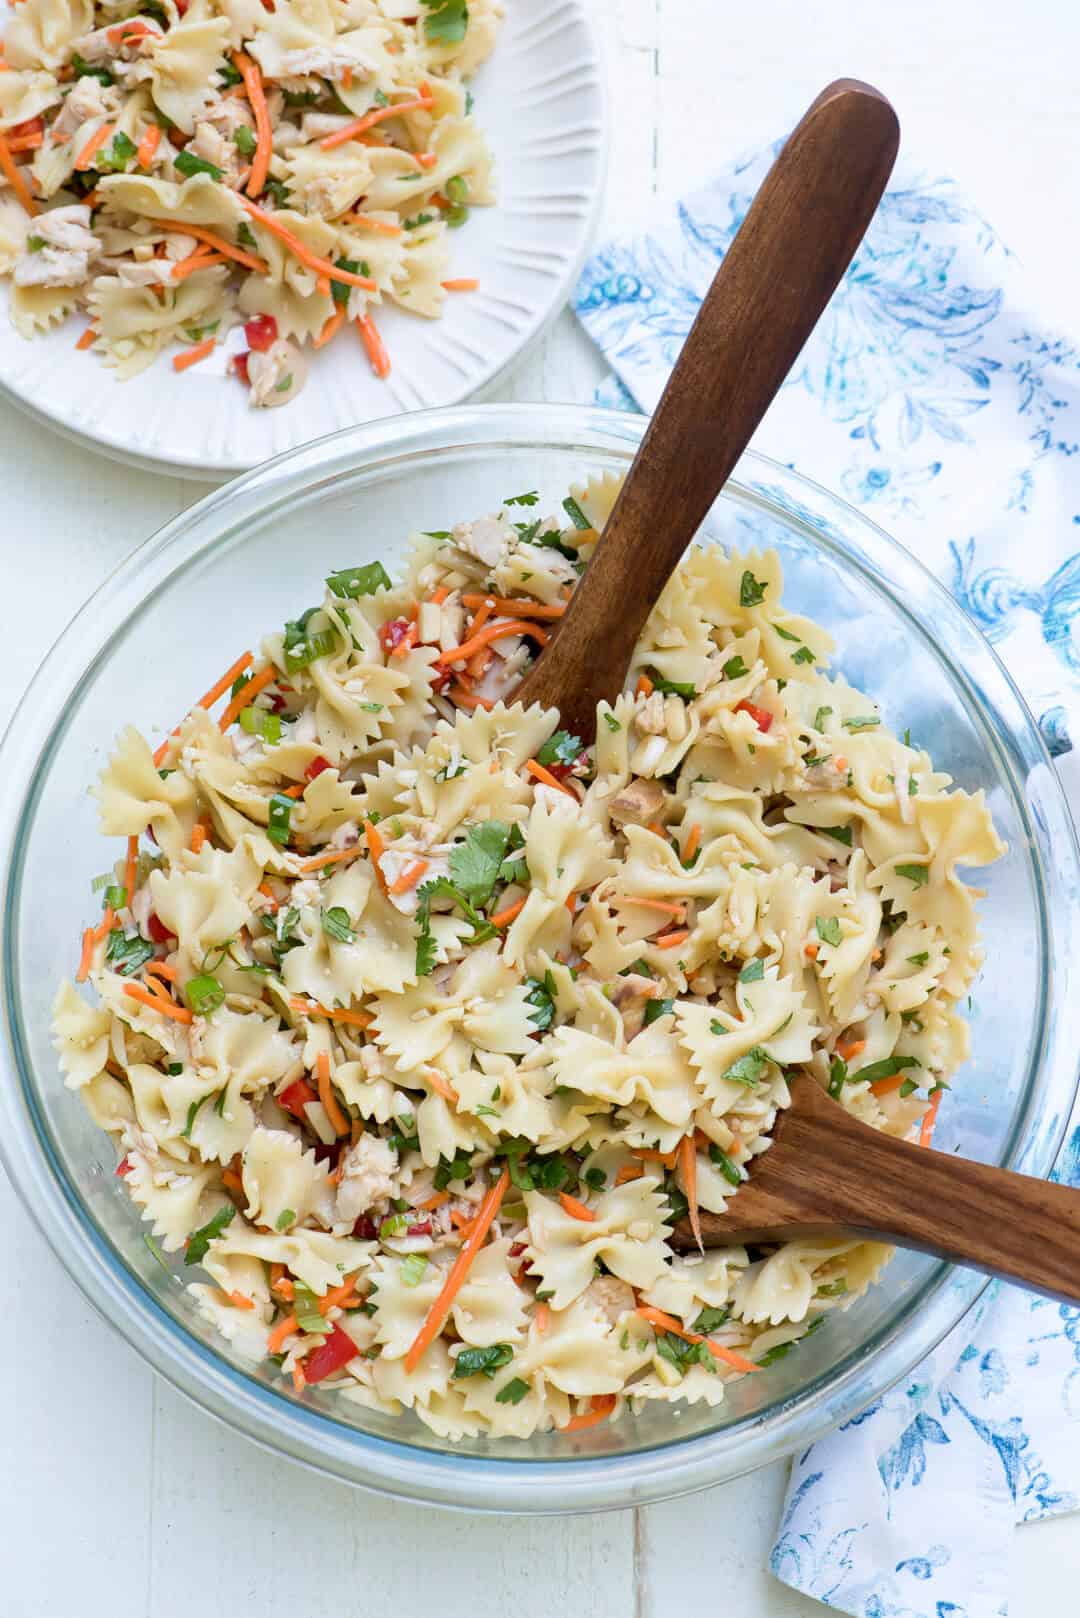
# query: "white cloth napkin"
[[932, 399]]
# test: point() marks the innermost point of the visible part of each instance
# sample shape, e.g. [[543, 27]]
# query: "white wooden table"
[[118, 1500]]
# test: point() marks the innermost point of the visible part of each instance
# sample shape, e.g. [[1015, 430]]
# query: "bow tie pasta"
[[420, 1025], [197, 164]]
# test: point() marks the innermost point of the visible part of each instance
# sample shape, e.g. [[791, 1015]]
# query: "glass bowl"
[[251, 555]]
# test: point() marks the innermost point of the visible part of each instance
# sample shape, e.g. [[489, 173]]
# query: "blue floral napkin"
[[932, 399]]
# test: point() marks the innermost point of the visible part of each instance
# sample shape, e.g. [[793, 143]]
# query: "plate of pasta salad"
[[228, 227], [418, 1024]]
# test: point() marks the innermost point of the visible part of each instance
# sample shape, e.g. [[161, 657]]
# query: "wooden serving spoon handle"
[[791, 250], [827, 1174]]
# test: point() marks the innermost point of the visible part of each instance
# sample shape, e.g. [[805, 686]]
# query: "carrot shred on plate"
[[374, 345], [192, 356], [600, 1407]]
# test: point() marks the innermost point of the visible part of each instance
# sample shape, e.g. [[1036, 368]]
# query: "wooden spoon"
[[827, 1174], [792, 248]]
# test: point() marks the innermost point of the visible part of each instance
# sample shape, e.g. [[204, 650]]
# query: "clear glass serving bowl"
[[253, 554]]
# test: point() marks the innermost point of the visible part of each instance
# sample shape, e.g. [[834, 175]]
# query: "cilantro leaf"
[[804, 655], [751, 590], [838, 1076], [728, 1168], [125, 953], [676, 688], [336, 924], [474, 864], [711, 1319], [513, 1393], [655, 1009], [485, 1361], [198, 1242], [753, 971], [541, 997], [734, 668], [887, 1068], [562, 748], [446, 21], [749, 1068], [841, 834], [529, 499], [917, 874]]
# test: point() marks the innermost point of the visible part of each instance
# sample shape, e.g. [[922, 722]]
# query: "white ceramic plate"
[[540, 100]]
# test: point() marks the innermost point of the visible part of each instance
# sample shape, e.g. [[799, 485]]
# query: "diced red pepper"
[[337, 1351], [330, 1154], [365, 1229], [761, 716], [421, 1227], [316, 767], [239, 365], [261, 333], [397, 635], [296, 1096], [157, 929], [516, 1249], [123, 1167], [441, 680]]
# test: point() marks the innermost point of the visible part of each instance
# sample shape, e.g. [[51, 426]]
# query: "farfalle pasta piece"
[[628, 1233]]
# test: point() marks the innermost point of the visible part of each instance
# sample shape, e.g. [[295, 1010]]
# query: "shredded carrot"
[[666, 907], [849, 1049], [161, 969], [156, 1003], [576, 1209], [542, 1317], [460, 1221], [657, 829], [244, 698], [467, 699], [337, 1296], [374, 345], [434, 1202], [88, 942], [341, 1014], [514, 607], [94, 144], [218, 243], [14, 177], [192, 356], [88, 338], [409, 877], [268, 893], [929, 1119], [665, 1322], [571, 902], [26, 143], [280, 1282], [629, 1171], [382, 226], [885, 1087], [811, 949], [600, 1407], [436, 1316], [644, 687], [283, 1329], [149, 144], [485, 608], [437, 597], [649, 1155], [299, 1380], [240, 1299], [462, 283], [441, 1085], [360, 126], [690, 846], [321, 266], [201, 260], [198, 837], [333, 325], [219, 687], [489, 633], [322, 286], [332, 858], [253, 84], [376, 848], [296, 791], [688, 1167], [503, 918], [426, 160], [131, 866], [539, 773], [670, 940], [338, 1121]]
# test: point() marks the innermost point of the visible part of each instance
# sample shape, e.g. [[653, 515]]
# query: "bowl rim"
[[581, 1481]]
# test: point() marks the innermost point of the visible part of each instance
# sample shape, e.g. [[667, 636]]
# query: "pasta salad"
[[418, 1024], [173, 168]]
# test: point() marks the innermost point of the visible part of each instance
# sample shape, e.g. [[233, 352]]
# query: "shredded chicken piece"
[[69, 247], [486, 538], [276, 376], [636, 803], [368, 1177]]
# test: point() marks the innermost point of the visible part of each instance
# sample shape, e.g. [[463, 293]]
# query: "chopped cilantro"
[[529, 499], [749, 1068], [887, 1068], [920, 959], [86, 70], [353, 582], [576, 515], [820, 718], [735, 668], [675, 688], [753, 971], [336, 923], [751, 590], [562, 748], [919, 875], [474, 864], [840, 834], [611, 722], [655, 1009], [198, 1243], [785, 634], [541, 997], [804, 655], [838, 1075], [188, 164], [485, 1361], [711, 1319], [513, 1393]]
